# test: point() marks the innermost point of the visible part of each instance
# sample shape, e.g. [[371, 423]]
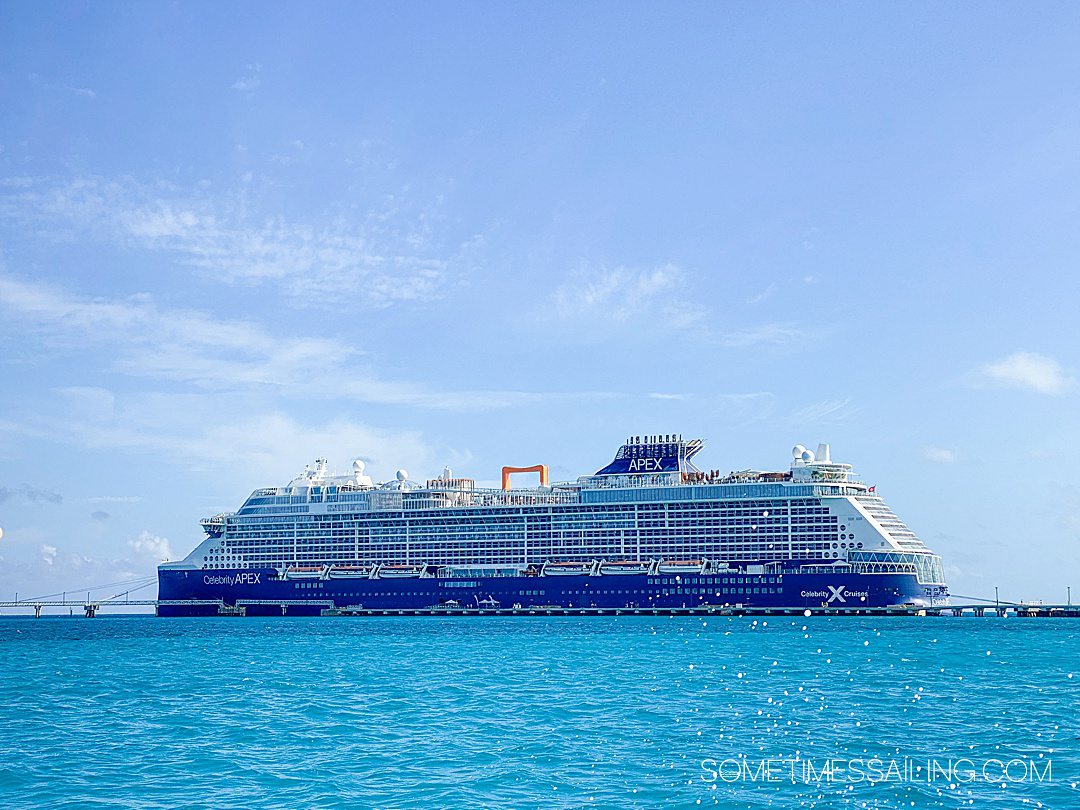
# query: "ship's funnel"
[[823, 453]]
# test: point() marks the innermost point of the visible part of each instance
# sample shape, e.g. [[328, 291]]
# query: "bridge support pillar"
[[37, 611], [284, 608], [90, 610]]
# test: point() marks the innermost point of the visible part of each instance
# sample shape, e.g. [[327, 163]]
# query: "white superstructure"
[[650, 505]]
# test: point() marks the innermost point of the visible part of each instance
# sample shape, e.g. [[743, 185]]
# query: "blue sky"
[[233, 239]]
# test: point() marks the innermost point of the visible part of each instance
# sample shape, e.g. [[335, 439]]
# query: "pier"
[[1028, 611], [92, 605], [326, 607]]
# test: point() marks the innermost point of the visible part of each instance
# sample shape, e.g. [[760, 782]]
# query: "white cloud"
[[48, 554], [391, 251], [206, 354], [763, 295], [195, 348], [185, 345], [649, 298], [939, 455], [1029, 370], [771, 334], [829, 410], [608, 301], [250, 79], [238, 442], [148, 544]]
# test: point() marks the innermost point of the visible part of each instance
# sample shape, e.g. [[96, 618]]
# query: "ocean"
[[617, 712]]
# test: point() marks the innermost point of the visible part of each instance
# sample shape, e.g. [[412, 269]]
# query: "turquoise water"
[[538, 712]]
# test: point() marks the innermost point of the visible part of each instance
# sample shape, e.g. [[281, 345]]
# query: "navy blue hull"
[[260, 591]]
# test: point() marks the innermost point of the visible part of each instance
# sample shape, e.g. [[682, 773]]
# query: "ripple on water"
[[615, 712]]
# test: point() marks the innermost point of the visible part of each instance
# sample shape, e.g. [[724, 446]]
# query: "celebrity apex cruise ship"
[[649, 530]]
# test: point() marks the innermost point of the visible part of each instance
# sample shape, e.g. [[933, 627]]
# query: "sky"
[[238, 237]]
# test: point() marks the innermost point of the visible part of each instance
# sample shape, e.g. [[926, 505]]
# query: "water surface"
[[538, 712]]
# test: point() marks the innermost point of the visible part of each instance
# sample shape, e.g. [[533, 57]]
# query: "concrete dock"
[[294, 607]]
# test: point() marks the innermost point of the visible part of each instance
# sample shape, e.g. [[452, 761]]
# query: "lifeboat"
[[401, 571], [680, 567], [349, 572], [566, 569], [626, 567], [305, 572]]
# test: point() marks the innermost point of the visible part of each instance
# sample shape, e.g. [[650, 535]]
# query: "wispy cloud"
[[939, 455], [193, 347], [204, 353], [763, 295], [828, 410], [393, 251], [642, 298], [1028, 370], [236, 442], [184, 345], [249, 80], [623, 300], [776, 334]]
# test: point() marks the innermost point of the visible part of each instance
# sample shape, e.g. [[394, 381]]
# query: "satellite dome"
[[402, 475], [808, 456], [358, 466], [797, 451]]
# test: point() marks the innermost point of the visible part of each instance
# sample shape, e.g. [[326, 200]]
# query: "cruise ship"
[[648, 530]]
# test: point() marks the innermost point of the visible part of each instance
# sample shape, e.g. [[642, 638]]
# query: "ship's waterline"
[[650, 529]]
